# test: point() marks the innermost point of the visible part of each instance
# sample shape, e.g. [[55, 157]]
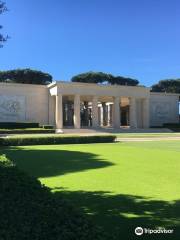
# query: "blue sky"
[[134, 38]]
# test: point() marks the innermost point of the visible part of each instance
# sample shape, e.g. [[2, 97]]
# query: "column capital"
[[132, 100], [116, 97], [95, 98], [77, 96]]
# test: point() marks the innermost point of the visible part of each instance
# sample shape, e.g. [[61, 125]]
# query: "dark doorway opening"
[[68, 113], [125, 116], [86, 114]]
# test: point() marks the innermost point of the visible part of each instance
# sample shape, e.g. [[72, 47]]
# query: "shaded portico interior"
[[101, 106], [105, 111]]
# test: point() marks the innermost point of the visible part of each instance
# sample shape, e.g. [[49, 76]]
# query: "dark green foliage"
[[100, 77], [48, 127], [24, 127], [56, 139], [2, 9], [172, 126], [26, 131], [4, 162], [124, 81], [18, 125], [29, 211], [92, 77], [2, 38], [27, 76], [169, 86]]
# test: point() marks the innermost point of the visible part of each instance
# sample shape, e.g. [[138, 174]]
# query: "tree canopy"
[[119, 80], [100, 77], [25, 76], [2, 9], [92, 77], [167, 85]]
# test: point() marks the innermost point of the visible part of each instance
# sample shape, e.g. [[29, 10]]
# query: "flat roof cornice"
[[67, 83], [164, 93], [22, 85]]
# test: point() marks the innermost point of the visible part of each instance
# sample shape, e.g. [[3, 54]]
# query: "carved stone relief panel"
[[162, 111], [12, 108]]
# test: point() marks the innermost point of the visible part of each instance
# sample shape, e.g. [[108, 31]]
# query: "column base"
[[77, 127], [133, 127], [59, 130], [115, 126]]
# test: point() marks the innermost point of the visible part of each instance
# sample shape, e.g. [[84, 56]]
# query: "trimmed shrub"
[[17, 125], [171, 125], [4, 162], [47, 140], [29, 211], [48, 127], [26, 131]]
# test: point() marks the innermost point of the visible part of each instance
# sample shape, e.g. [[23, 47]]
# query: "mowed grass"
[[119, 185], [147, 135]]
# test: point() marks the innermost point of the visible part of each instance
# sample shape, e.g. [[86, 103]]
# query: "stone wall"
[[164, 108], [24, 103], [36, 103]]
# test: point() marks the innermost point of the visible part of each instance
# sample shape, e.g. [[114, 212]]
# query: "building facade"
[[83, 105]]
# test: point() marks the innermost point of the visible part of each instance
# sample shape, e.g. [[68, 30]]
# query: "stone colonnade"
[[116, 112]]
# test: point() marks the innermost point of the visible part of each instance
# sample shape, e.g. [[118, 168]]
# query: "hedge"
[[29, 211], [47, 140], [48, 126], [17, 125], [26, 131], [171, 125]]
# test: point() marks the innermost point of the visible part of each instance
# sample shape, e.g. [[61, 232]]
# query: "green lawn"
[[120, 185], [144, 135]]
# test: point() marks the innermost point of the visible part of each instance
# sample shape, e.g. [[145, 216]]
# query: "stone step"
[[113, 130]]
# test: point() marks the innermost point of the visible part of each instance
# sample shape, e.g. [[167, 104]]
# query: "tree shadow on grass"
[[120, 214], [48, 163], [117, 214]]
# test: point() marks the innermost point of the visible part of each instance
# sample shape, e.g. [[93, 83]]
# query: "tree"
[[167, 85], [92, 77], [100, 77], [2, 9], [25, 76], [119, 80]]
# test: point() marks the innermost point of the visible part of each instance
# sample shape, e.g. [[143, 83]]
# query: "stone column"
[[116, 113], [109, 115], [77, 111], [101, 116], [59, 112], [52, 105], [132, 112], [145, 112], [95, 112], [104, 107]]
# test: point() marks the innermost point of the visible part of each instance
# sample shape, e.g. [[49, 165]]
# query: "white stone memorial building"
[[83, 105]]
